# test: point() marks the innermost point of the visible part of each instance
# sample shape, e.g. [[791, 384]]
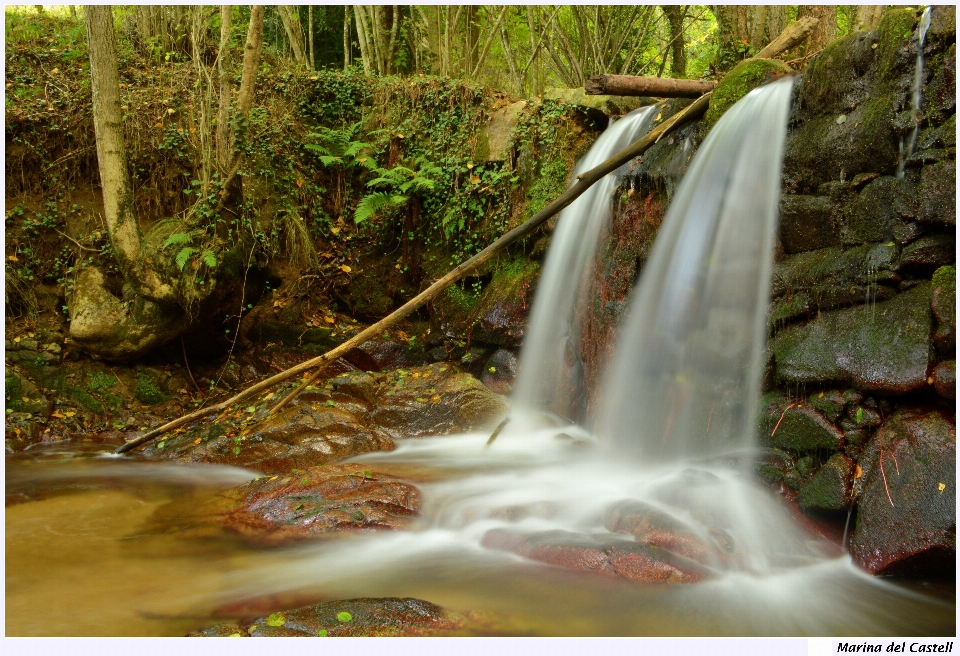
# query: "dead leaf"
[[858, 473], [57, 415], [475, 179], [69, 414], [345, 268], [435, 398], [158, 125], [335, 231], [329, 319], [13, 258], [299, 182]]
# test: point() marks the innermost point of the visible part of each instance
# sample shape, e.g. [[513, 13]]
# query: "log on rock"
[[792, 36], [635, 85]]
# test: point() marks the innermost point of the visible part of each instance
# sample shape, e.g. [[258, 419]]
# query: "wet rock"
[[906, 522], [598, 554], [944, 308], [945, 379], [597, 106], [939, 100], [883, 347], [806, 223], [739, 81], [830, 402], [305, 503], [433, 400], [301, 435], [650, 525], [382, 355], [943, 21], [500, 371], [472, 361], [290, 335], [882, 208], [390, 616], [500, 316], [787, 424], [938, 194], [830, 488], [494, 143], [928, 253]]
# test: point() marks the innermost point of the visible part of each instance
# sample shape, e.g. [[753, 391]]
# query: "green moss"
[[745, 76], [829, 489], [147, 391], [946, 279], [86, 399], [13, 391], [551, 182], [100, 380], [894, 29]]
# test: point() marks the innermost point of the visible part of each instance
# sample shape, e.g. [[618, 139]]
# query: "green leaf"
[[344, 616], [277, 619], [373, 203], [859, 415], [178, 238], [209, 258], [322, 633], [184, 255]]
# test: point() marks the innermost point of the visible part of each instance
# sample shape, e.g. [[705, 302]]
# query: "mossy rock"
[[944, 305], [894, 31], [795, 426], [830, 487], [741, 80]]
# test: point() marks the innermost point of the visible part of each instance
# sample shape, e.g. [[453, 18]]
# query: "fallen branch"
[[584, 182], [636, 85], [792, 36]]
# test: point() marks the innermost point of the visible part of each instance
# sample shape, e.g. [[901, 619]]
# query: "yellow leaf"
[[57, 415], [13, 258], [858, 473], [54, 71], [25, 399], [416, 374], [475, 179], [941, 487], [69, 414], [435, 398], [469, 166], [158, 125], [276, 304], [171, 111], [345, 268], [335, 231], [16, 339], [198, 440], [299, 182], [329, 319]]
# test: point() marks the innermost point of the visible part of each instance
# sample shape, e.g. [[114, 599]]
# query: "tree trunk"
[[347, 49], [733, 37], [122, 227], [825, 31], [635, 85], [223, 113], [675, 14], [866, 17], [291, 25], [791, 37], [310, 57]]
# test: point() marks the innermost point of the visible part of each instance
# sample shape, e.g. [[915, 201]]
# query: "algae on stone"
[[742, 78]]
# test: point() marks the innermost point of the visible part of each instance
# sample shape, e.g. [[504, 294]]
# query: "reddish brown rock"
[[500, 371], [648, 525], [945, 379], [308, 503], [600, 554], [906, 521]]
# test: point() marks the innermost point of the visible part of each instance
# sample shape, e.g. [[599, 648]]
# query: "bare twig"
[[94, 250], [186, 363]]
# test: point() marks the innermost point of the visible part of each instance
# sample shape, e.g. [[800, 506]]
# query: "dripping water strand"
[[905, 153]]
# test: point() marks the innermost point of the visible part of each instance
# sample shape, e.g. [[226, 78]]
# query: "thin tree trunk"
[[291, 25], [363, 37], [678, 62], [825, 31], [584, 182], [866, 17], [486, 48], [347, 50], [791, 37], [119, 212], [313, 66], [223, 113]]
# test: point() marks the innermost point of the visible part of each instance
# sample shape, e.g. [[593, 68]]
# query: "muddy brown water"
[[85, 557]]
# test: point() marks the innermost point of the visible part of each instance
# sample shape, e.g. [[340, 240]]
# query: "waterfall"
[[687, 365], [549, 353], [917, 87]]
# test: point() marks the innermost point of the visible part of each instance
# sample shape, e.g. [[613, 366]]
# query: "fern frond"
[[208, 258], [373, 203], [178, 238], [184, 255]]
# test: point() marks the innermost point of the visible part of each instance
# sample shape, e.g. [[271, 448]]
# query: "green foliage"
[[398, 184], [147, 391]]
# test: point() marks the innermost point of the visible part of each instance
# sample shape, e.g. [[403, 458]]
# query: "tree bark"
[[291, 25], [584, 182], [733, 37], [635, 85], [119, 212], [866, 17], [346, 37], [223, 112], [675, 14], [825, 31], [310, 56], [791, 37]]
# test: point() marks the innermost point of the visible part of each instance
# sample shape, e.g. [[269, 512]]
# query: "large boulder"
[[883, 347], [906, 520], [600, 554], [306, 503], [794, 425], [944, 306]]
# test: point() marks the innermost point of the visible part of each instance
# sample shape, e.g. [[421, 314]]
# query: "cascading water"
[[549, 349], [685, 375], [917, 93]]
